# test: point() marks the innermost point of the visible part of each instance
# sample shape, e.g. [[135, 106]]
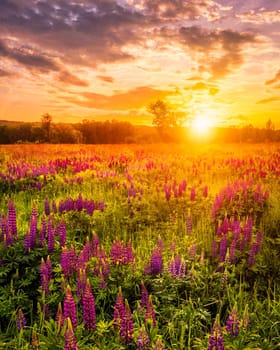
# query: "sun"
[[201, 125]]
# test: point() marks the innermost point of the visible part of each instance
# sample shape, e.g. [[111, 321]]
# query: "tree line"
[[167, 127]]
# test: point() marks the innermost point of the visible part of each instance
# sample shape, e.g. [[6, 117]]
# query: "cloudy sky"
[[103, 59]]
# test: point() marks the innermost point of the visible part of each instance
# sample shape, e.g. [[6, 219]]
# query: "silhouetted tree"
[[46, 121]]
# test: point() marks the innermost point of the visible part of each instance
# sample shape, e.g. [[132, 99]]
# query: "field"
[[140, 247]]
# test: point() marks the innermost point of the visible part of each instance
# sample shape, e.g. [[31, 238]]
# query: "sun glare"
[[201, 125]]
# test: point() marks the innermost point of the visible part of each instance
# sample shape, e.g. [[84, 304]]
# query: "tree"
[[46, 121], [161, 113]]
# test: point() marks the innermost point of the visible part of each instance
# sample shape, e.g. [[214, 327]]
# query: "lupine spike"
[[70, 307]]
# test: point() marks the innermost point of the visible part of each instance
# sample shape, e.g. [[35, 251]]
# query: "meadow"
[[140, 247]]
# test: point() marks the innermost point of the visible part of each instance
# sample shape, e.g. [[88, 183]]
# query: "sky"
[[217, 60]]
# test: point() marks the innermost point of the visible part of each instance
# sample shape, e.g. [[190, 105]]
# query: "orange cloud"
[[139, 97]]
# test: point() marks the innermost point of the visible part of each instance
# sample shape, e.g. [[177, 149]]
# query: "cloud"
[[139, 97], [260, 17], [274, 80], [5, 73], [202, 86], [28, 57], [269, 100], [69, 78], [227, 44], [105, 78]]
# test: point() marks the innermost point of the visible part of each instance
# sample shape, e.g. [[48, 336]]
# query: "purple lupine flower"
[[248, 228], [150, 312], [116, 253], [33, 227], [95, 244], [216, 339], [4, 227], [144, 296], [192, 195], [50, 235], [156, 263], [47, 207], [27, 241], [61, 231], [54, 207], [126, 325], [223, 249], [118, 309], [102, 283], [65, 262], [167, 190], [43, 232], [232, 251], [12, 219], [232, 322], [177, 267], [89, 316], [69, 307], [128, 255], [59, 319], [21, 320], [143, 340], [81, 282], [70, 339], [252, 254], [80, 202], [205, 191]]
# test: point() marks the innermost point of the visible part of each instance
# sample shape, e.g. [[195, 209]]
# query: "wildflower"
[[50, 235], [126, 325], [150, 312], [156, 263], [44, 274], [47, 207], [118, 309], [61, 231], [216, 339], [43, 232], [245, 322], [143, 340], [177, 267], [21, 320], [144, 296], [252, 254], [88, 306], [70, 339], [81, 282], [223, 249], [33, 227], [59, 319], [12, 220], [193, 194], [69, 307], [232, 322]]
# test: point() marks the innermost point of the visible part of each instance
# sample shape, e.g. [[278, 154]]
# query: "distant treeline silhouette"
[[117, 132]]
